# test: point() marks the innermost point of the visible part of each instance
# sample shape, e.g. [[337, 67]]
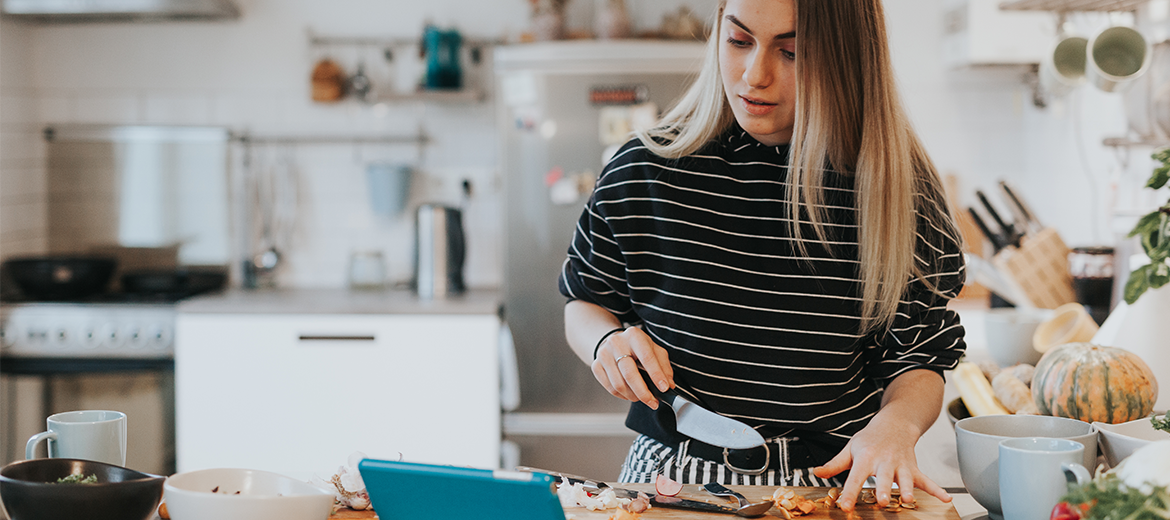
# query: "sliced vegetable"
[[667, 487]]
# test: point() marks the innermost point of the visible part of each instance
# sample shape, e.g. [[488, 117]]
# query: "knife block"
[[1040, 268]]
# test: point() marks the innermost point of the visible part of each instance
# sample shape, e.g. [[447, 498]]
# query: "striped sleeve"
[[925, 333], [595, 268]]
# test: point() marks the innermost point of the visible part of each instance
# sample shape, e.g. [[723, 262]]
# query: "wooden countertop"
[[929, 508]]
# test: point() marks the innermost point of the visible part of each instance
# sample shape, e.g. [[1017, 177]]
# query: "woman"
[[808, 301]]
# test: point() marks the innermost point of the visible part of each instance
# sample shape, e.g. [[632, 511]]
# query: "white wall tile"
[[55, 108], [22, 185], [177, 109], [107, 108]]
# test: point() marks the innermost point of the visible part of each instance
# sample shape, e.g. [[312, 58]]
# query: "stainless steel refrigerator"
[[562, 106]]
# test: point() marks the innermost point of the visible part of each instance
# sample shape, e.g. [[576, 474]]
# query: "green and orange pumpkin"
[[1094, 383]]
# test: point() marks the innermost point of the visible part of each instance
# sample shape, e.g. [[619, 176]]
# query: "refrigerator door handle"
[[509, 370]]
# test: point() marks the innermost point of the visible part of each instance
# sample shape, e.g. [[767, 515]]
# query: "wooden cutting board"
[[929, 508]]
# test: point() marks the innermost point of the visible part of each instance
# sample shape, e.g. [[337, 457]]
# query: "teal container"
[[443, 49]]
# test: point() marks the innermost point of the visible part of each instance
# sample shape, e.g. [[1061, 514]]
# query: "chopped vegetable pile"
[[1161, 424], [78, 478], [1107, 498]]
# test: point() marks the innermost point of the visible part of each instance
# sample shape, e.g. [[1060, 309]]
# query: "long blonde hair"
[[849, 117]]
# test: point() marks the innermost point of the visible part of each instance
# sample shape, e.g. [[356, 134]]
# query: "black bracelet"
[[605, 337]]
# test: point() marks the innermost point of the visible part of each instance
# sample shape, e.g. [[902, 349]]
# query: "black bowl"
[[30, 492], [957, 411], [61, 277]]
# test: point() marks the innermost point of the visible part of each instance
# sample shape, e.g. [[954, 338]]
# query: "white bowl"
[[977, 440], [243, 494], [1119, 441], [1009, 334]]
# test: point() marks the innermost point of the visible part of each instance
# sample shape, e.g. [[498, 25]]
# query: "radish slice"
[[667, 487]]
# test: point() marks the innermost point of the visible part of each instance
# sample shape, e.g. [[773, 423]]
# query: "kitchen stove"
[[87, 330]]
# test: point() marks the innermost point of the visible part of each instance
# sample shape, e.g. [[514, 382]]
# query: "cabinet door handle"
[[318, 337]]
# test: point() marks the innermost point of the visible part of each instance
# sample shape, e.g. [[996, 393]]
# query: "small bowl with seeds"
[[243, 494], [62, 489]]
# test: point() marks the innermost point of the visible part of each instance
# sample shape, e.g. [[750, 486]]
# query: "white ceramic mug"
[[1117, 56], [1063, 68], [1034, 472], [88, 434]]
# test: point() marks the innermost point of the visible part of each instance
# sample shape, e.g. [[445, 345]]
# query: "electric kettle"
[[439, 251]]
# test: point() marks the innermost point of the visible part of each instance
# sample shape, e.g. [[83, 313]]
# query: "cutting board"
[[929, 508]]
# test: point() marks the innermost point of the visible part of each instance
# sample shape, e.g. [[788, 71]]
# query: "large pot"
[[187, 281], [60, 277]]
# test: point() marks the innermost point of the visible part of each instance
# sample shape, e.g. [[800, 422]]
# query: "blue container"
[[442, 49]]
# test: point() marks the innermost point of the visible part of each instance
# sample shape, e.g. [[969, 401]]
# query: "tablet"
[[405, 490]]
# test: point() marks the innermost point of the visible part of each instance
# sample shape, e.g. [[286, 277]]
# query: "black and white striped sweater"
[[699, 252]]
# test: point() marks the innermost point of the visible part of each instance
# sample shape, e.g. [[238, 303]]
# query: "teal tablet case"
[[408, 491]]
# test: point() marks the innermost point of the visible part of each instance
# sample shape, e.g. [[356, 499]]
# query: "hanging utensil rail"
[[1071, 5], [420, 139]]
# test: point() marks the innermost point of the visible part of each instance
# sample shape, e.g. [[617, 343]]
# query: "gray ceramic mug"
[[1034, 472], [98, 435]]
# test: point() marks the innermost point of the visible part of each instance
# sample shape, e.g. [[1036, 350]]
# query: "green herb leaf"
[[1147, 224], [1161, 424], [1159, 178], [1138, 283], [1159, 275], [78, 478]]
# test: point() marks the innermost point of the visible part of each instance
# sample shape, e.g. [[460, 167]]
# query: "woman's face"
[[757, 59]]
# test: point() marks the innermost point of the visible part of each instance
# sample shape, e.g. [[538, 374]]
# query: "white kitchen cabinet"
[[298, 393]]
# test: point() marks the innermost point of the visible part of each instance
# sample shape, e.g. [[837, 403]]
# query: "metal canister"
[[439, 251]]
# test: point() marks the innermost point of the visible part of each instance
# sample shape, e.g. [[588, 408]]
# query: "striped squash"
[[1094, 383]]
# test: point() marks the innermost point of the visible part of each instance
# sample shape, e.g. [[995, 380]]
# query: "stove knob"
[[91, 338], [110, 338], [135, 337]]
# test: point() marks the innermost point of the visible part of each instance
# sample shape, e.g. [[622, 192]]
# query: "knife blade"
[[996, 240], [1017, 203], [655, 499], [702, 424], [1011, 236]]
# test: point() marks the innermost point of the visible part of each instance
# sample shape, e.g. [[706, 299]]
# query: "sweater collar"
[[739, 141]]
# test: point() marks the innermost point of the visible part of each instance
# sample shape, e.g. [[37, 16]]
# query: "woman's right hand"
[[616, 366]]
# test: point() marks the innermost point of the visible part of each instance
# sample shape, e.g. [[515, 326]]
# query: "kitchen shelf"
[[444, 96], [1071, 5], [388, 42], [1126, 142]]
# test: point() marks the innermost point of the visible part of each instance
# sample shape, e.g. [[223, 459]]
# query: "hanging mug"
[[1063, 68], [1117, 56]]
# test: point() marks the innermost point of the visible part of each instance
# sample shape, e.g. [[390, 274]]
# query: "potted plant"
[[1154, 230]]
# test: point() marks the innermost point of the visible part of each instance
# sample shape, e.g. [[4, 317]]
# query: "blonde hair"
[[850, 118]]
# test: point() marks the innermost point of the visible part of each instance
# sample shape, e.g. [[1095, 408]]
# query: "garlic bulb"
[[1146, 468]]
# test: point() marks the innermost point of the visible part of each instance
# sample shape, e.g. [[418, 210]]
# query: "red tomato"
[[1064, 511]]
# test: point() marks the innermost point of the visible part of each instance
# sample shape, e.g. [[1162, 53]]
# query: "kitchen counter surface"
[[339, 301], [928, 507]]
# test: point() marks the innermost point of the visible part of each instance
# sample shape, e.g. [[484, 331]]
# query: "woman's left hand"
[[886, 450], [885, 447]]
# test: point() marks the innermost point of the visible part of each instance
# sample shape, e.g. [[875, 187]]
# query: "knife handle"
[[663, 397]]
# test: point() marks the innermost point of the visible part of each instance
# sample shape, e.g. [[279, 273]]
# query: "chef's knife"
[[1011, 236], [702, 424], [995, 238], [655, 499], [1017, 204]]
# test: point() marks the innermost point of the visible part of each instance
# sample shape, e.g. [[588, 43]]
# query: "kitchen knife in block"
[[702, 424]]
